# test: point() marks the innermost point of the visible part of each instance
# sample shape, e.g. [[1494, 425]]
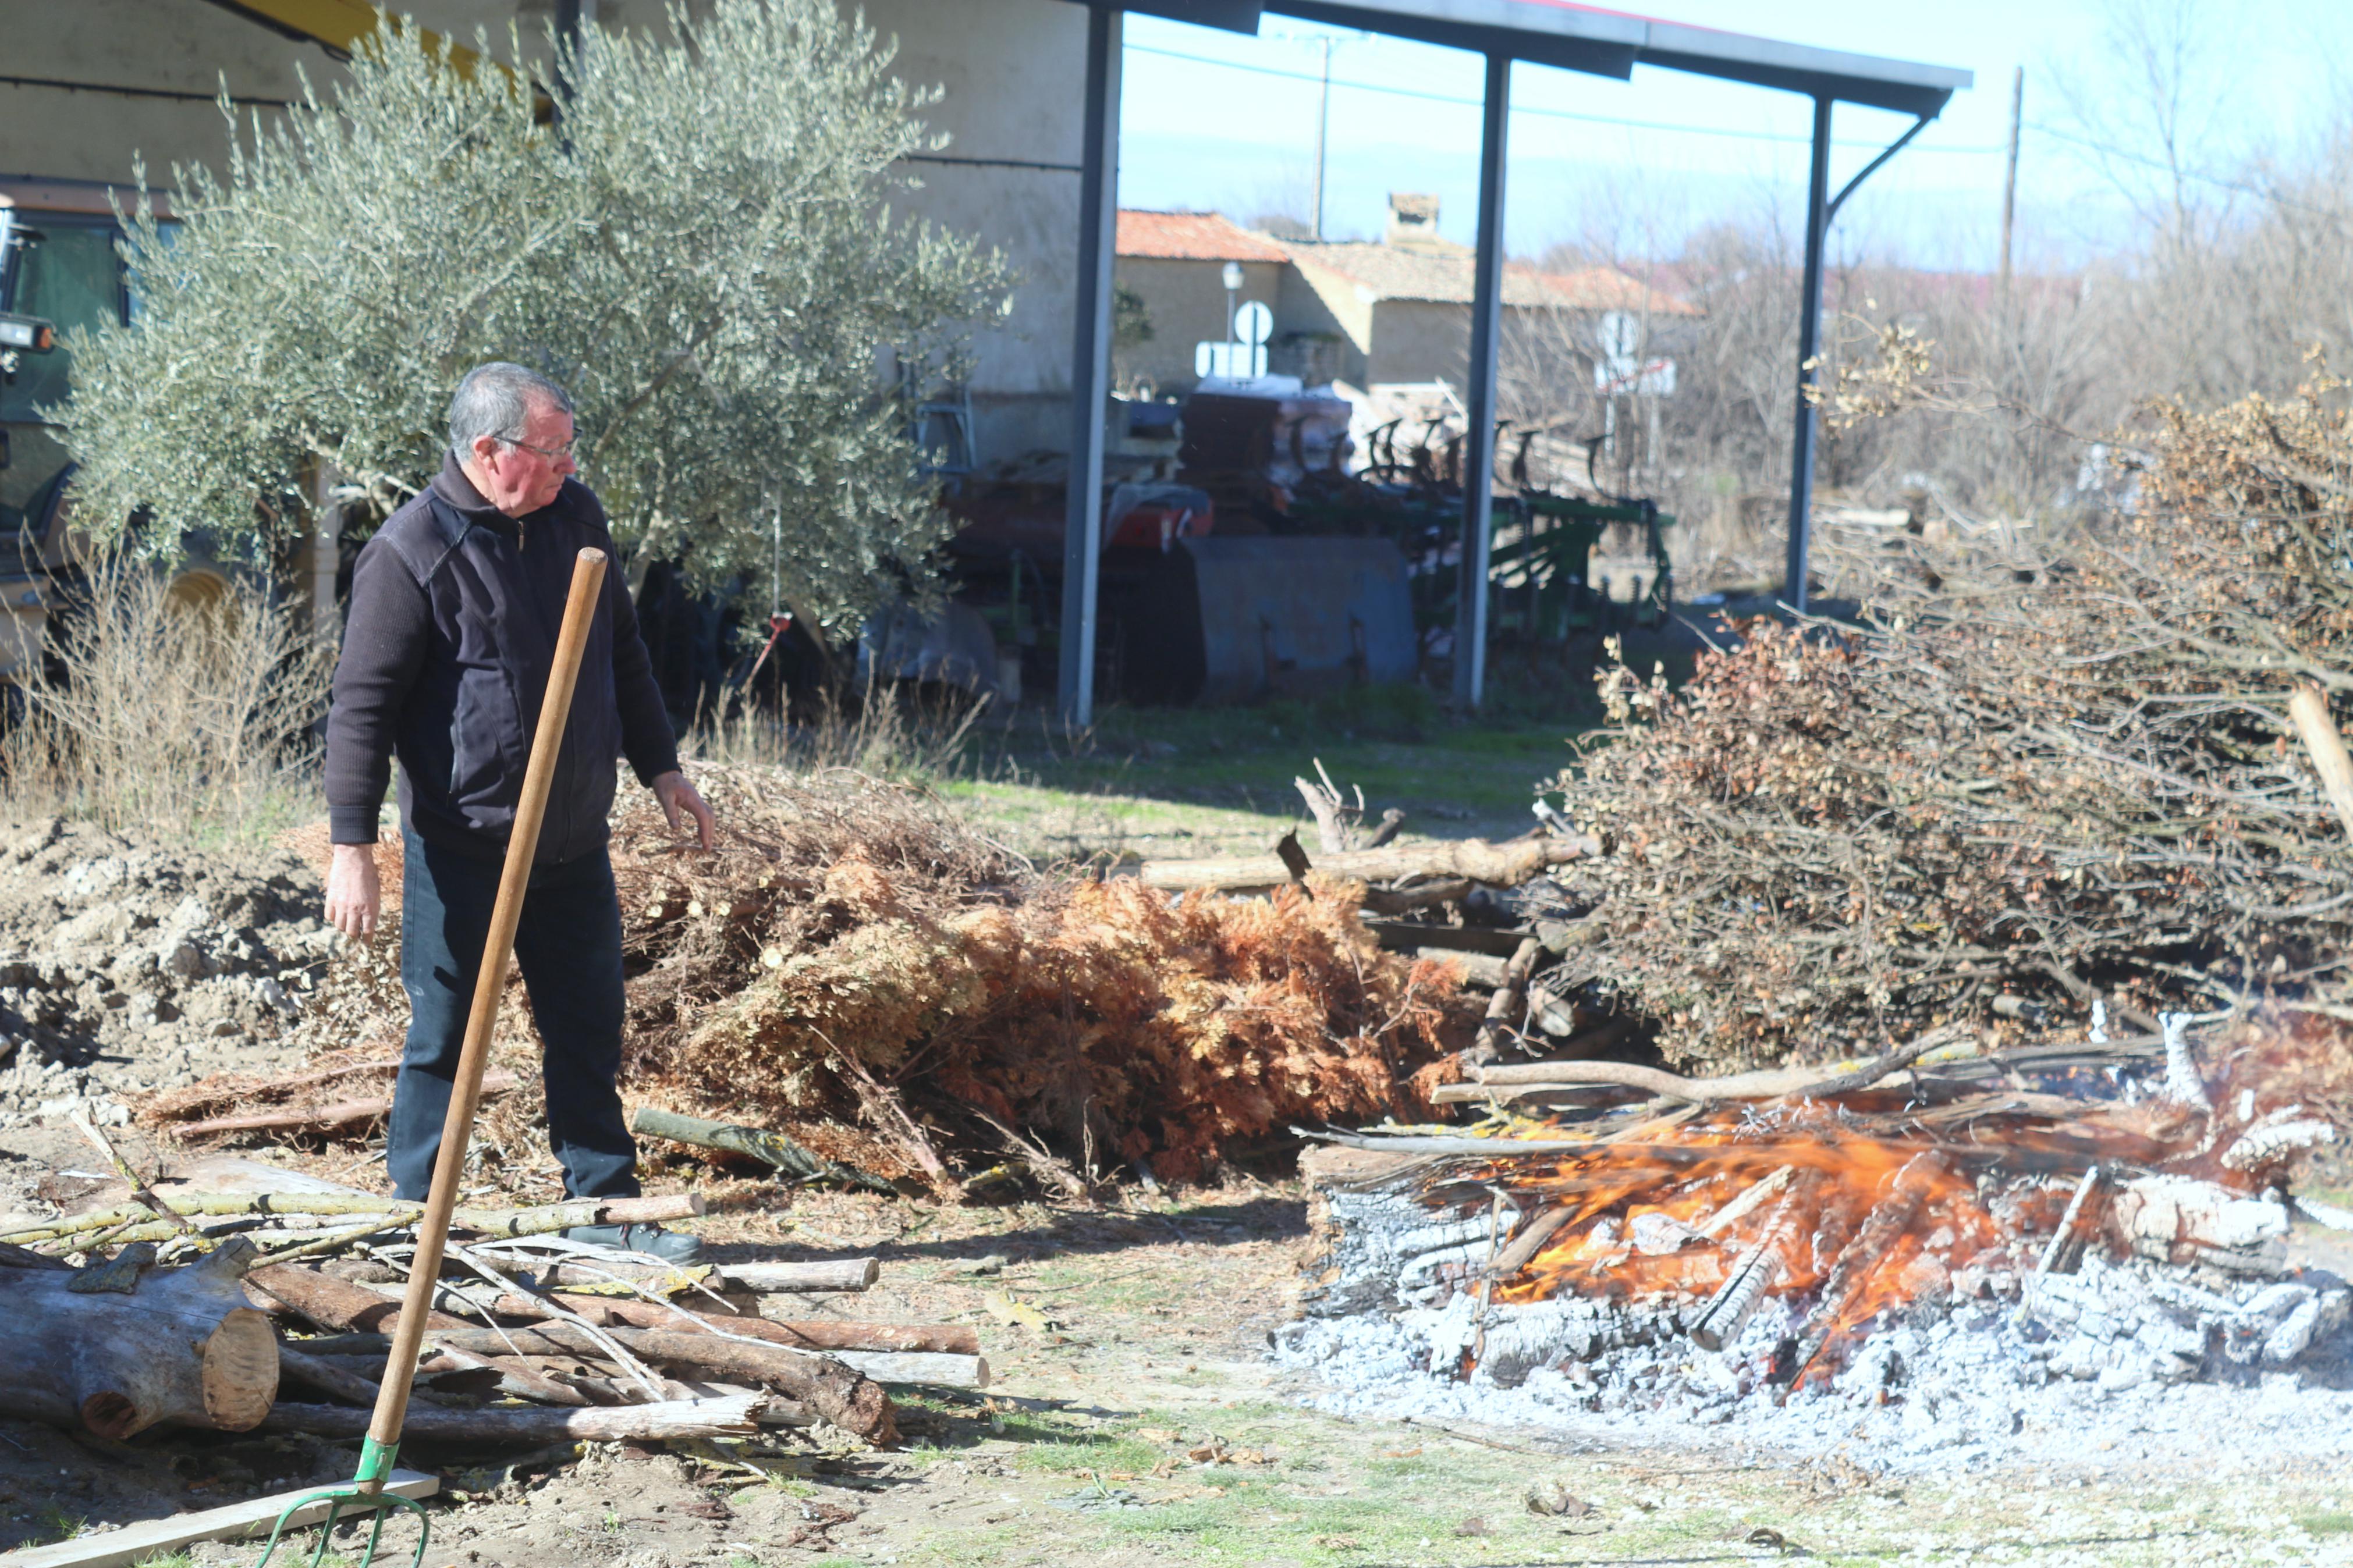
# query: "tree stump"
[[180, 1346]]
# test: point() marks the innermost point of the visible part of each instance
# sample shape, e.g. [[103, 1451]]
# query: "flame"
[[1870, 1205]]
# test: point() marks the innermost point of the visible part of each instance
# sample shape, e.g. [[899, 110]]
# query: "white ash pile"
[[127, 967], [1952, 1273], [2132, 1361]]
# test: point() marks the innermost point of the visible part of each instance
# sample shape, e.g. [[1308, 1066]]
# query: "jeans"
[[569, 944]]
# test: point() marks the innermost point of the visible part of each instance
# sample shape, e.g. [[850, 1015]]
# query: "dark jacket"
[[451, 633]]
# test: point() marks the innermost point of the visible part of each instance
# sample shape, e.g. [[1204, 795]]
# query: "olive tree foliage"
[[702, 248]]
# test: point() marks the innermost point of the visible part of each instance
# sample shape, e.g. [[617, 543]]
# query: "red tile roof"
[[1606, 289], [1191, 236]]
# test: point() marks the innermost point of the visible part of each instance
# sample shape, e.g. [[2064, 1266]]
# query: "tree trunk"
[[182, 1347]]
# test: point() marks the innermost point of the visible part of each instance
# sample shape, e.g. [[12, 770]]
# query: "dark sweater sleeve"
[[647, 739], [384, 642]]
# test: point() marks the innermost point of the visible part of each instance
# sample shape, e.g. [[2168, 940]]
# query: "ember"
[[2117, 1215]]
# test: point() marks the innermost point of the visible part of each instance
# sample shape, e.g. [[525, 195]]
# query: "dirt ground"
[[1134, 1418], [1141, 1425]]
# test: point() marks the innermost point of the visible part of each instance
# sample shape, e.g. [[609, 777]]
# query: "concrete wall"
[[991, 57], [1012, 71], [1421, 340], [1186, 302], [173, 45]]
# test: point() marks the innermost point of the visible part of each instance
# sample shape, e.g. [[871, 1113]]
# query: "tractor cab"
[[60, 267]]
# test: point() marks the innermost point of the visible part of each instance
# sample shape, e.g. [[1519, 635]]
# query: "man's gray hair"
[[495, 400]]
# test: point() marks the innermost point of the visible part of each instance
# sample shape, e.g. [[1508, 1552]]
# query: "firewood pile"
[[2046, 772], [1788, 1215], [274, 1309]]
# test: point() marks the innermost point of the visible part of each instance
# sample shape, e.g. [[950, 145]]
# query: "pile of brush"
[[2037, 785], [854, 956]]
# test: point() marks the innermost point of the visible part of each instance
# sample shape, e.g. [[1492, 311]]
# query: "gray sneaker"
[[670, 1245]]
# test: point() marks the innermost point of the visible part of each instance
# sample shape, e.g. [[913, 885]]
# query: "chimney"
[[1413, 221]]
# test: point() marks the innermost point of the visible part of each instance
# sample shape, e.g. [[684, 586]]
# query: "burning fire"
[[1862, 1206]]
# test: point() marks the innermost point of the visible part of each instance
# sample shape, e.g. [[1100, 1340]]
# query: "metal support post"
[[1478, 397], [1091, 364], [1810, 346]]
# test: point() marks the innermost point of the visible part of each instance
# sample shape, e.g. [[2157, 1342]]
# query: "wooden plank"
[[234, 1521]]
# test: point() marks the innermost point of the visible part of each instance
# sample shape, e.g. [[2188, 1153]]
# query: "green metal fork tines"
[[355, 1496]]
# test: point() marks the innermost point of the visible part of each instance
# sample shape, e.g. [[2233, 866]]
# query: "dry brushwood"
[[854, 954], [2031, 779]]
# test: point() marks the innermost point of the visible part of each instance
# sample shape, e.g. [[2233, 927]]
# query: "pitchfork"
[[364, 1493]]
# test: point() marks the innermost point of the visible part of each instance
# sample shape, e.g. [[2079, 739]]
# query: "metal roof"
[[1600, 42]]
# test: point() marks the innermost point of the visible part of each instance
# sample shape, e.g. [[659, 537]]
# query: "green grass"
[[1178, 782], [2327, 1523]]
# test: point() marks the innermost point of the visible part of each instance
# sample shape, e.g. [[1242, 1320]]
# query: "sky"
[[1219, 122]]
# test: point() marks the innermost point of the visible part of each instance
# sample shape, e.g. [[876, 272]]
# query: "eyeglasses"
[[565, 453]]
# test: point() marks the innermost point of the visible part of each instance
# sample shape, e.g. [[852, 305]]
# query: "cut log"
[[1418, 896], [1481, 971], [1402, 936], [2184, 1220], [771, 1149], [1743, 1291], [729, 1418], [1471, 860], [1510, 1000], [320, 1118], [330, 1302], [183, 1347], [1530, 1241], [819, 1274], [1873, 1242]]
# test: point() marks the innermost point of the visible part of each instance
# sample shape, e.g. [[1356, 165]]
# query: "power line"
[[2107, 150], [1522, 109]]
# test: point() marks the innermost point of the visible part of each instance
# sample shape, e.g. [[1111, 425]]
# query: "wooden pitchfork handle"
[[490, 984]]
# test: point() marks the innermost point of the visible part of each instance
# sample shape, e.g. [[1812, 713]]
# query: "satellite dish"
[[1254, 323]]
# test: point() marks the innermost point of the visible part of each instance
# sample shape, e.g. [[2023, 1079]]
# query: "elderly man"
[[455, 608]]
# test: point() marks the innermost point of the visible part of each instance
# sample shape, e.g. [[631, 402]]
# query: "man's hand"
[[354, 894], [677, 795]]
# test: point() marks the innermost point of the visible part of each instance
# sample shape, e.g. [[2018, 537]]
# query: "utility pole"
[[1322, 135], [2010, 184]]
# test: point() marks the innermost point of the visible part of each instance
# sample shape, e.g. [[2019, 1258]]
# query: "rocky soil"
[[127, 967]]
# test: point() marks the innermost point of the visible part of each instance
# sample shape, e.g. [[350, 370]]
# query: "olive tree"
[[702, 246]]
